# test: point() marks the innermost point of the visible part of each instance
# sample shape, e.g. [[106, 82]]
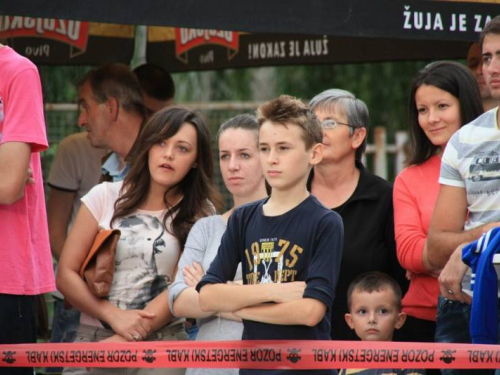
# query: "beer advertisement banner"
[[67, 42], [356, 31]]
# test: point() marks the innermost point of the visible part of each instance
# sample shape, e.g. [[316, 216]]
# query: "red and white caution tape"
[[253, 354]]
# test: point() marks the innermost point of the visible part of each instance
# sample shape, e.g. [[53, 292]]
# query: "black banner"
[[442, 20], [319, 32]]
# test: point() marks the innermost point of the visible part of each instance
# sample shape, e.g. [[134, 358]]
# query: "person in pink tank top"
[[26, 266]]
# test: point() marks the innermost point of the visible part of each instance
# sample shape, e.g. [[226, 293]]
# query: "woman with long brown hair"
[[168, 187]]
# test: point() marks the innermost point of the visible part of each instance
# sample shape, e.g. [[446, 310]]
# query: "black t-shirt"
[[303, 244], [369, 243]]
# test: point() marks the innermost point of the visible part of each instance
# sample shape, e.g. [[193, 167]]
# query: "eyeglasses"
[[332, 124]]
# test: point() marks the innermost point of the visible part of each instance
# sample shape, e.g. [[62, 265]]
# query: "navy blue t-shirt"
[[303, 244]]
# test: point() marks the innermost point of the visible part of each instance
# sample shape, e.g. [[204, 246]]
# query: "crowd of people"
[[314, 247]]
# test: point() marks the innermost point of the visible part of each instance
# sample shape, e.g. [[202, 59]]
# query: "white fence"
[[379, 149]]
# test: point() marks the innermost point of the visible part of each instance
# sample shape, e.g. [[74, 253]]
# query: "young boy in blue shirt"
[[375, 311], [289, 245]]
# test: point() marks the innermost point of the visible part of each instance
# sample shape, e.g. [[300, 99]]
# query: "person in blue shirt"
[[289, 244]]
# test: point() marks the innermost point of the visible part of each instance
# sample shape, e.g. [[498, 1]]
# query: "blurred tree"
[[382, 86], [59, 82]]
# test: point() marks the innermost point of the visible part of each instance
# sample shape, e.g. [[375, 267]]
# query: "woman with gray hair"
[[364, 200]]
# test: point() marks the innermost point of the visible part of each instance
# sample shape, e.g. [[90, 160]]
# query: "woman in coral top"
[[443, 97]]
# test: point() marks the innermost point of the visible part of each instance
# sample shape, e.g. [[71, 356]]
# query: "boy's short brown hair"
[[374, 282], [287, 110], [492, 27]]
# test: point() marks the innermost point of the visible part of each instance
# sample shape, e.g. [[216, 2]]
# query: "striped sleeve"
[[450, 173]]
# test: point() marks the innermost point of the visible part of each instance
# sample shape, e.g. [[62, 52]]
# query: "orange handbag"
[[99, 265]]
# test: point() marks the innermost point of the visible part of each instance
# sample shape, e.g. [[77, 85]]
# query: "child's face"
[[375, 315], [283, 156]]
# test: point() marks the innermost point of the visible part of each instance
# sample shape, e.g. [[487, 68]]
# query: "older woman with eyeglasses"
[[364, 201]]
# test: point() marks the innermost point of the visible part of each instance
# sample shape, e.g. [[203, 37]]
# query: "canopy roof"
[[264, 32]]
